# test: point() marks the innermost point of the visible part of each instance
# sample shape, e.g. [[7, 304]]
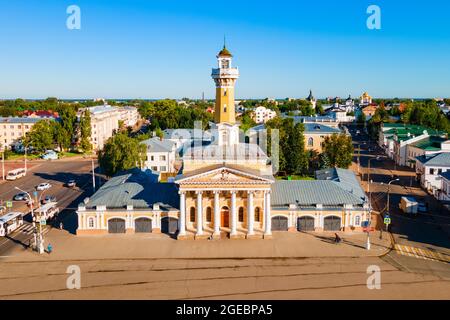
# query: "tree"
[[121, 153], [85, 131], [40, 137], [339, 150], [361, 118]]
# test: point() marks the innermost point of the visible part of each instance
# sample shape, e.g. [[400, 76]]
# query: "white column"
[[267, 215], [80, 225], [250, 214], [233, 213], [216, 213], [102, 221], [199, 214], [182, 226]]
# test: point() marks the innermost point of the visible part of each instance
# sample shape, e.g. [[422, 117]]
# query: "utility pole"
[[93, 174], [26, 160], [3, 164]]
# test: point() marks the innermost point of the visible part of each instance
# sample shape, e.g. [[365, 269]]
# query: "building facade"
[[13, 129], [262, 114]]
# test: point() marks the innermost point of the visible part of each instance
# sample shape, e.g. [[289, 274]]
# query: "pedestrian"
[[337, 239], [61, 226], [49, 248]]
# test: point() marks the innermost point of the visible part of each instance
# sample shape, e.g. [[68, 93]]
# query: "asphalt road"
[[415, 235], [253, 278], [57, 173]]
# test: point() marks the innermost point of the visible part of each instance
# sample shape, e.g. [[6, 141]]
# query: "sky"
[[166, 48]]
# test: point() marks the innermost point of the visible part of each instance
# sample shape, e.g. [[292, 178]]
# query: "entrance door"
[[305, 224], [169, 225], [332, 223], [143, 225], [225, 217], [116, 225], [279, 223]]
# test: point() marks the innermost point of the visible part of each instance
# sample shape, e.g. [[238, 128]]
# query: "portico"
[[225, 201]]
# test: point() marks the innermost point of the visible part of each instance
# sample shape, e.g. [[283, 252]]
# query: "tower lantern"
[[225, 77]]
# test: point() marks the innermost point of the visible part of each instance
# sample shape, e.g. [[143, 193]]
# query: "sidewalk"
[[160, 246]]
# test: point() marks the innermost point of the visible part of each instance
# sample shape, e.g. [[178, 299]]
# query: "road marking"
[[420, 253]]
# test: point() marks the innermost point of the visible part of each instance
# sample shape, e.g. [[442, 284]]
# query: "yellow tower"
[[225, 78]]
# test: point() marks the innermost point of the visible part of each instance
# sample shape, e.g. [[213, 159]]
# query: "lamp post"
[[388, 198], [38, 240]]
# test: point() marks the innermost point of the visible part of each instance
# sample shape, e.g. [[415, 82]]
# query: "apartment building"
[[161, 155], [429, 171], [262, 114], [104, 123], [13, 129], [129, 115]]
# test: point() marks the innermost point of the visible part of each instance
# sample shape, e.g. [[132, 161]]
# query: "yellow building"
[[225, 189]]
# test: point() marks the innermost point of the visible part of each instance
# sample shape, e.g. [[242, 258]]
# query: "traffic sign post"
[[367, 228], [387, 221]]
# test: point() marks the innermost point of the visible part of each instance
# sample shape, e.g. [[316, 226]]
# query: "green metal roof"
[[430, 143]]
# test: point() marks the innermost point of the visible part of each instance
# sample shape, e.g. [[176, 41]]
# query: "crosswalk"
[[421, 253], [29, 229]]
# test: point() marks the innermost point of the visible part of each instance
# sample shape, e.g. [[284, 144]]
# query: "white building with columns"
[[226, 189]]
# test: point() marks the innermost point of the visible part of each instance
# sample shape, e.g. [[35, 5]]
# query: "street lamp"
[[37, 235], [389, 191]]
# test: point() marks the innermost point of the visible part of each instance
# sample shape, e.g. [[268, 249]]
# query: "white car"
[[43, 186]]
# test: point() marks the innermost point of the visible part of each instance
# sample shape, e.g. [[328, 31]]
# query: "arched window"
[[208, 214], [310, 142], [91, 222], [257, 214], [357, 220], [192, 217], [241, 214]]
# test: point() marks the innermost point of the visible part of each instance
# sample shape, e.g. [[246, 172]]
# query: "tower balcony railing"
[[230, 72]]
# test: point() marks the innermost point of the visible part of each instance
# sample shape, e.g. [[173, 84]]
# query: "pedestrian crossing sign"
[[9, 204], [387, 220], [43, 222]]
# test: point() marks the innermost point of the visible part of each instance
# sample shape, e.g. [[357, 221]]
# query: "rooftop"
[[439, 159], [135, 187], [431, 143], [20, 119], [319, 128], [158, 145]]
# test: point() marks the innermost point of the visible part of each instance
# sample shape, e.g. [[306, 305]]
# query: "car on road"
[[48, 199], [43, 186], [71, 184], [422, 208], [21, 197]]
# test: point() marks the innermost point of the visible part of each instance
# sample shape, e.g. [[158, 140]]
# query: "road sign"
[[43, 222], [35, 193], [365, 224], [368, 229], [387, 220], [9, 204]]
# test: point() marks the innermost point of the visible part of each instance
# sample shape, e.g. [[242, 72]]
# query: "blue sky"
[[166, 48]]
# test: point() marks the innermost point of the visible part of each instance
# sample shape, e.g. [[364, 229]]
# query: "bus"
[[47, 211], [10, 222], [16, 174]]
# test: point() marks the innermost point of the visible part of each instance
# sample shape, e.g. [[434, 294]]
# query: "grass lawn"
[[20, 156], [69, 154], [295, 177]]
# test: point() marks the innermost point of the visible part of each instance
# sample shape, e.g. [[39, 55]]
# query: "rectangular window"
[[152, 158], [162, 158], [162, 168], [154, 168], [431, 171]]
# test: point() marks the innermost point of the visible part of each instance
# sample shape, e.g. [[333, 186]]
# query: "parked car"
[[43, 186], [71, 184], [21, 197], [48, 199], [50, 155], [2, 209]]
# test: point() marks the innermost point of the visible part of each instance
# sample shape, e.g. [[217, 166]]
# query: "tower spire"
[[224, 41]]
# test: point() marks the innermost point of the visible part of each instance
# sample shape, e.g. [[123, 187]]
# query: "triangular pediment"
[[224, 175]]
